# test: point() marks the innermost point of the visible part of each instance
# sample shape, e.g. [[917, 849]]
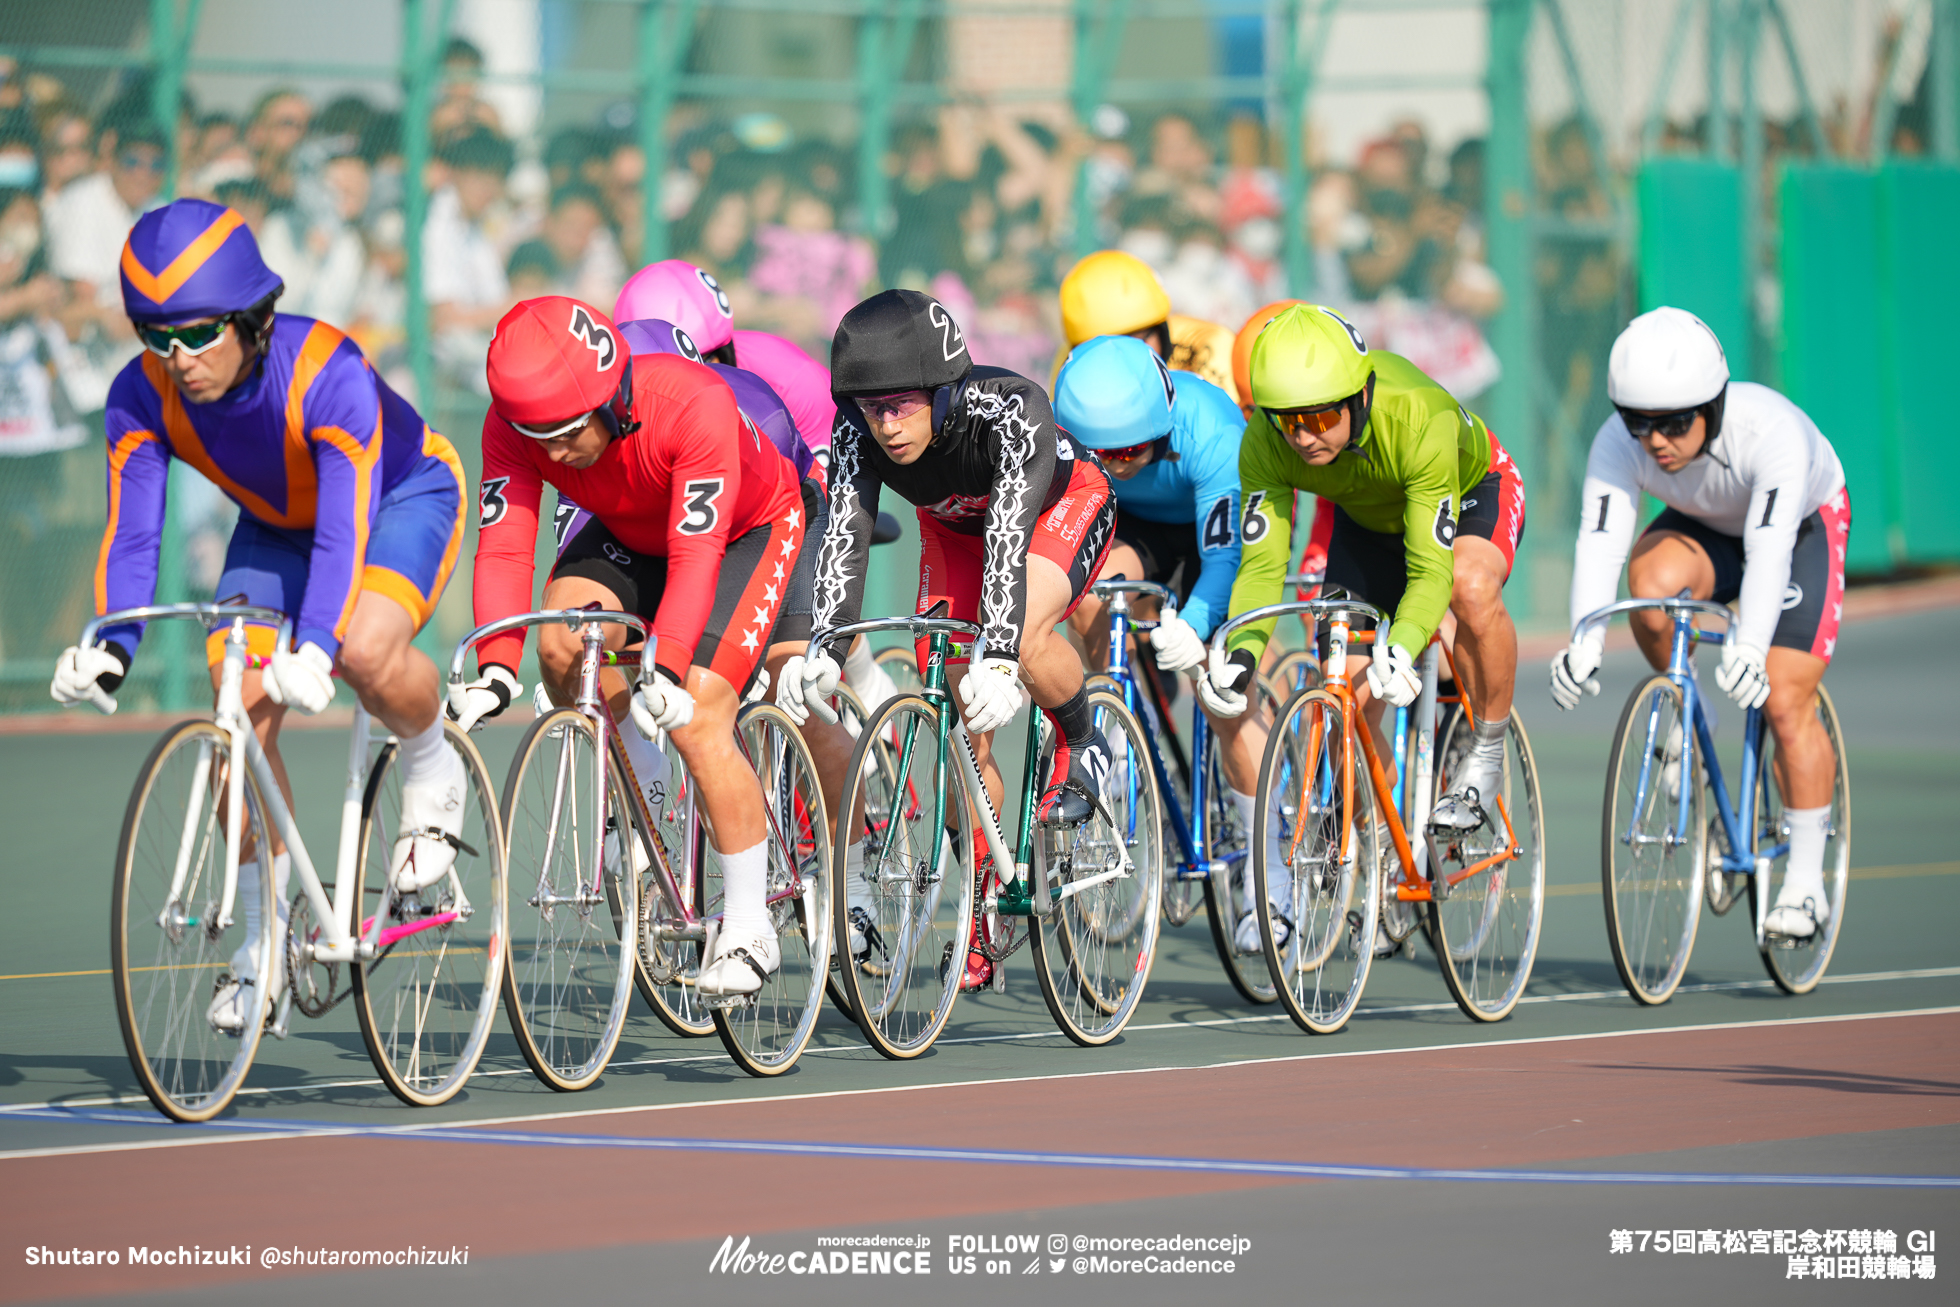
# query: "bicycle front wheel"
[[912, 892], [1485, 920], [1653, 850], [169, 954], [569, 977], [428, 997], [902, 665], [1094, 950], [766, 1032], [1316, 864], [1796, 965]]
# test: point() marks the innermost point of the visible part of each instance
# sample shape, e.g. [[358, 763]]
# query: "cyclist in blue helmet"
[[1170, 442], [350, 519]]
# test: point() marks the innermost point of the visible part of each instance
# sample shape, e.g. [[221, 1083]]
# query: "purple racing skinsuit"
[[341, 486], [754, 396]]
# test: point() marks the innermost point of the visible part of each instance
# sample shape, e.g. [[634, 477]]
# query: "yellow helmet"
[[1308, 356], [1111, 293]]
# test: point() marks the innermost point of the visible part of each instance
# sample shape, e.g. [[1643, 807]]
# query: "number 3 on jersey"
[[702, 513], [491, 504]]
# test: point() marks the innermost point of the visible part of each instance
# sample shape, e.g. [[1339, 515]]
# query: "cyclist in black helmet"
[[1015, 518]]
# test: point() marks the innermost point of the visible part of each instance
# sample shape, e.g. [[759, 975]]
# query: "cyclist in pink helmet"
[[689, 297]]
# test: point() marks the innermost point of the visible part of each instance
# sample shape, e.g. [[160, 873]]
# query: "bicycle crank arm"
[[664, 930], [1077, 886]]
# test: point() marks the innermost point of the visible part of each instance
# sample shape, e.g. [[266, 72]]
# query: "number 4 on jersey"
[[1217, 533]]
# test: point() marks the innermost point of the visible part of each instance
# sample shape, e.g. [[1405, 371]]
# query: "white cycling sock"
[[1803, 877], [422, 754], [857, 891], [1243, 802], [744, 891], [649, 763], [1486, 761], [245, 960]]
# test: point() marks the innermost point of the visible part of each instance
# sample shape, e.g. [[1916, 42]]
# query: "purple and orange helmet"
[[193, 259]]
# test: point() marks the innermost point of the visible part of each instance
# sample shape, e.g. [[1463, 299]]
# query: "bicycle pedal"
[[726, 1002]]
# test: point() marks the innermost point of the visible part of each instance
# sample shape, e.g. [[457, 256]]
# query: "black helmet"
[[897, 340]]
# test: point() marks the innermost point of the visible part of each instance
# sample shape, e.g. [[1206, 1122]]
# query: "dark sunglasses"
[[193, 340], [1671, 426], [1128, 452], [147, 162]]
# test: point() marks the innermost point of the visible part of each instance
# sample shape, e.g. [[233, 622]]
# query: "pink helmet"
[[687, 296]]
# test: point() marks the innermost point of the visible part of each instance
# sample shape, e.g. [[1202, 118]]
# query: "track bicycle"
[[1086, 899], [1339, 820], [1299, 669], [1660, 859], [613, 895], [1204, 836], [423, 968]]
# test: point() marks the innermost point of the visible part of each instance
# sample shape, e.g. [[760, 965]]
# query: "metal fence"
[[1461, 173]]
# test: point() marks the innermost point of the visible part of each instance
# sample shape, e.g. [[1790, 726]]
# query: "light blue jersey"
[[1197, 481]]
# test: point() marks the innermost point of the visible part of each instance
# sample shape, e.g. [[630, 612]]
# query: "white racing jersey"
[[1768, 470]]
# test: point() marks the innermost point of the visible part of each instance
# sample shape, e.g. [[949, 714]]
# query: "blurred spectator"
[[574, 254], [1203, 282], [625, 175], [20, 162], [66, 147], [35, 413], [92, 215], [249, 196], [806, 274], [715, 235], [462, 269], [278, 124], [462, 109], [315, 243], [926, 204], [1180, 167]]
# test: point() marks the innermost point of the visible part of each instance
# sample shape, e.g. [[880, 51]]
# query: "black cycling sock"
[[1074, 719]]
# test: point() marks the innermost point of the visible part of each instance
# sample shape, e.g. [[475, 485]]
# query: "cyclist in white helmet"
[[1757, 514]]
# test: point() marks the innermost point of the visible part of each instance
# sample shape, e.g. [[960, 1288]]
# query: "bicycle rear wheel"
[[1296, 670], [902, 666], [766, 1033], [1486, 930], [1324, 888], [665, 968], [1653, 848], [1797, 965], [569, 977], [428, 997], [168, 955], [914, 890], [1093, 952]]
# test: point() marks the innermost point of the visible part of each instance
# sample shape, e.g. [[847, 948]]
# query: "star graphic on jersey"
[[795, 516], [761, 617], [779, 572], [769, 593], [789, 547], [1837, 612], [1830, 646], [748, 640]]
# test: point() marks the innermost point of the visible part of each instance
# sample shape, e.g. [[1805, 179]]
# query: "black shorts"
[[1814, 597], [1373, 566], [800, 600], [1169, 550], [640, 581]]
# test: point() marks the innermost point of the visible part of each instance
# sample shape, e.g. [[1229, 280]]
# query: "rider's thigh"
[[559, 647], [1666, 562], [378, 637], [1794, 675], [1477, 592]]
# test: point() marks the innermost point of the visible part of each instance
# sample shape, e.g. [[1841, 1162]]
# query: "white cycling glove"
[[1218, 688], [660, 705], [806, 684], [301, 678], [1742, 676], [992, 690], [1178, 644], [1393, 678], [89, 676], [1572, 673], [474, 702]]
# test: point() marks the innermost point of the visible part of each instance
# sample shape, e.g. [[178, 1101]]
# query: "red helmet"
[[553, 363]]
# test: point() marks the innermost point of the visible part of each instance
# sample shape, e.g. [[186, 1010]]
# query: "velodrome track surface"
[[1413, 1156]]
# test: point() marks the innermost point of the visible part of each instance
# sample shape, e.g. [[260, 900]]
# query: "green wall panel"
[[1919, 255], [1691, 246]]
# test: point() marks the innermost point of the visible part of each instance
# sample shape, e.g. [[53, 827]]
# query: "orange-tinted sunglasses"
[[1312, 421]]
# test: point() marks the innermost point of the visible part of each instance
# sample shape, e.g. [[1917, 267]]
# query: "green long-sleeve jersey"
[[1407, 472]]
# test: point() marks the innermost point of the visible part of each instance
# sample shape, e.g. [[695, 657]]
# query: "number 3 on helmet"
[[544, 389]]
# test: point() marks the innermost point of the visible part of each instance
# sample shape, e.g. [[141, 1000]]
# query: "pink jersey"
[[803, 383]]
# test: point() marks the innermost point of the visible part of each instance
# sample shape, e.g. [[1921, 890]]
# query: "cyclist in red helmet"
[[670, 504]]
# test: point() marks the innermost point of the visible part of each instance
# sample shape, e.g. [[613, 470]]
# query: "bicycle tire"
[[664, 968], [568, 978], [1094, 951], [1286, 674], [902, 992], [188, 1069], [1798, 966], [767, 1034], [1486, 931], [902, 665], [427, 1001], [1651, 864], [1228, 889], [1326, 889]]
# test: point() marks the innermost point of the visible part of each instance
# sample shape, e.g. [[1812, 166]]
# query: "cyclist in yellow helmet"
[[1428, 509], [1111, 293]]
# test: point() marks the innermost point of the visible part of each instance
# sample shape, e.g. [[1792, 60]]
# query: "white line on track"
[[854, 1050], [458, 1130]]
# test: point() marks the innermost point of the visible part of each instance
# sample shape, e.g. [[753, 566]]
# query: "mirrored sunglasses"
[[1312, 421], [1671, 426], [892, 408], [1128, 452], [193, 339]]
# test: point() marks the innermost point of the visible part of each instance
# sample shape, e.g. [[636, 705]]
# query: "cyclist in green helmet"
[[1428, 509]]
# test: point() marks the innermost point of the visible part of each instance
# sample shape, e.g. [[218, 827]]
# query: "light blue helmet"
[[1114, 392]]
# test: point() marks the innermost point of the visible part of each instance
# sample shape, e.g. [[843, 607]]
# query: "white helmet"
[[1666, 360]]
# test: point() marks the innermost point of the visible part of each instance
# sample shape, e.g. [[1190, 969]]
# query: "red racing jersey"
[[694, 476]]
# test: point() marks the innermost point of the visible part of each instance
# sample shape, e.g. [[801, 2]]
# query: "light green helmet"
[[1308, 357]]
